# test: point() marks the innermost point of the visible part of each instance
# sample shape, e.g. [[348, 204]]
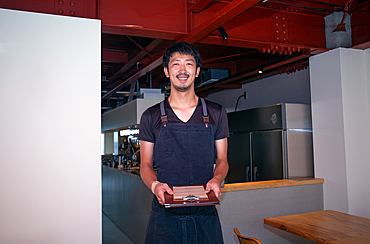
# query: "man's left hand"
[[214, 185]]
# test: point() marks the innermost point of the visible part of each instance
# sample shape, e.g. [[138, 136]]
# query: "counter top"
[[244, 186], [270, 184]]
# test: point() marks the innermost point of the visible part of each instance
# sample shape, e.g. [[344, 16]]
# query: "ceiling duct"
[[209, 76], [335, 36]]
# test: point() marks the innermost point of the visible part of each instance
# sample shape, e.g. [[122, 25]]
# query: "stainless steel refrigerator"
[[269, 143]]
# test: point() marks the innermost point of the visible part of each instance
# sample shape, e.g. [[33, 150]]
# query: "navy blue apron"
[[184, 155]]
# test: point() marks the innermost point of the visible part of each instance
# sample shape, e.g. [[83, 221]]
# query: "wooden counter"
[[324, 227], [270, 184]]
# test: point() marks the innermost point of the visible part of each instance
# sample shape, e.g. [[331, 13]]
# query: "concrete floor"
[[111, 233]]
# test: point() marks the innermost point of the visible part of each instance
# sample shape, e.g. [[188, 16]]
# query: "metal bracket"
[[190, 198]]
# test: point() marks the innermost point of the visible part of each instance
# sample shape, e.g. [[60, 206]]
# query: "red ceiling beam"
[[197, 5], [360, 22], [114, 56], [362, 46], [168, 16], [361, 7], [257, 44], [261, 27], [307, 7], [233, 42], [220, 59], [224, 15], [75, 8], [140, 31]]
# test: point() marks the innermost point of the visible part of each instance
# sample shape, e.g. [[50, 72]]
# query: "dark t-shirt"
[[150, 123]]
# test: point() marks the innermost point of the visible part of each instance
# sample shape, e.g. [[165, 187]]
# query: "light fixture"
[[223, 32], [260, 70]]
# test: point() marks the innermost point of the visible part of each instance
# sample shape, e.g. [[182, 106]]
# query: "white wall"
[[50, 176], [341, 128], [367, 75], [288, 88]]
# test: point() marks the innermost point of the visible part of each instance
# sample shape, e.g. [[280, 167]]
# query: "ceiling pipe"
[[220, 59]]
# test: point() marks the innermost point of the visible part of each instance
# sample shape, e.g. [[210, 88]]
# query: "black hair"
[[182, 48]]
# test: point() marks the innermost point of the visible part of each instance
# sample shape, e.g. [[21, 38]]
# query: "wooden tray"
[[171, 203]]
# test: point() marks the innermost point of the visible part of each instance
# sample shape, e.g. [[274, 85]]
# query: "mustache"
[[182, 74]]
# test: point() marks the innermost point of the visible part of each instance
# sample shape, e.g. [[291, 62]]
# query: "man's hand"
[[159, 189], [214, 185]]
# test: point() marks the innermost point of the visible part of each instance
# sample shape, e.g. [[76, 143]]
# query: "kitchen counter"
[[127, 201]]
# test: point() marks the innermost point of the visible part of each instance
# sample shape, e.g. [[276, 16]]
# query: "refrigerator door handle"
[[248, 174], [255, 173]]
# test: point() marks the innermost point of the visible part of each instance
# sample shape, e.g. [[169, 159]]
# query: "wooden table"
[[326, 226]]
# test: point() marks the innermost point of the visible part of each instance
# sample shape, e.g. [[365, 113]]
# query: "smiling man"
[[182, 70], [186, 137]]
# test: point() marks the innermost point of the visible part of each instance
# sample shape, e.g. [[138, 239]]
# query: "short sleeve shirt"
[[150, 123]]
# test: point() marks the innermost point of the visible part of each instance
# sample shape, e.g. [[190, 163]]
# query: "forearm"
[[150, 179], [221, 169], [222, 166], [148, 175]]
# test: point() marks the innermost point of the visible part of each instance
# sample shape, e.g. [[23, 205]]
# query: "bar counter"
[[127, 201], [270, 184]]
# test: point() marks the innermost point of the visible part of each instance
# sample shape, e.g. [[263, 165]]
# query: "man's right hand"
[[159, 190]]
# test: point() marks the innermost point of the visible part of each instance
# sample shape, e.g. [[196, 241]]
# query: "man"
[[184, 135]]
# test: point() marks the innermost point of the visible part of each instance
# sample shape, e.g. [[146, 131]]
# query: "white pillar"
[[341, 128], [50, 170]]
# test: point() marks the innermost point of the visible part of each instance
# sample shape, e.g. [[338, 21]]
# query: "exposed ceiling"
[[278, 36]]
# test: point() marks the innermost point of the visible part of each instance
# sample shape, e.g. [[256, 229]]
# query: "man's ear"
[[198, 71], [166, 72]]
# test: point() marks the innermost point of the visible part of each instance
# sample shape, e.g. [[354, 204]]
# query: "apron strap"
[[205, 112], [204, 109], [163, 114]]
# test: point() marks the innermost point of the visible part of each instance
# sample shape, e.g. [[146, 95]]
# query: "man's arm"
[[147, 173], [221, 169]]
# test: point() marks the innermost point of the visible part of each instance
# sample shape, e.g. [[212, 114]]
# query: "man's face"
[[182, 70]]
